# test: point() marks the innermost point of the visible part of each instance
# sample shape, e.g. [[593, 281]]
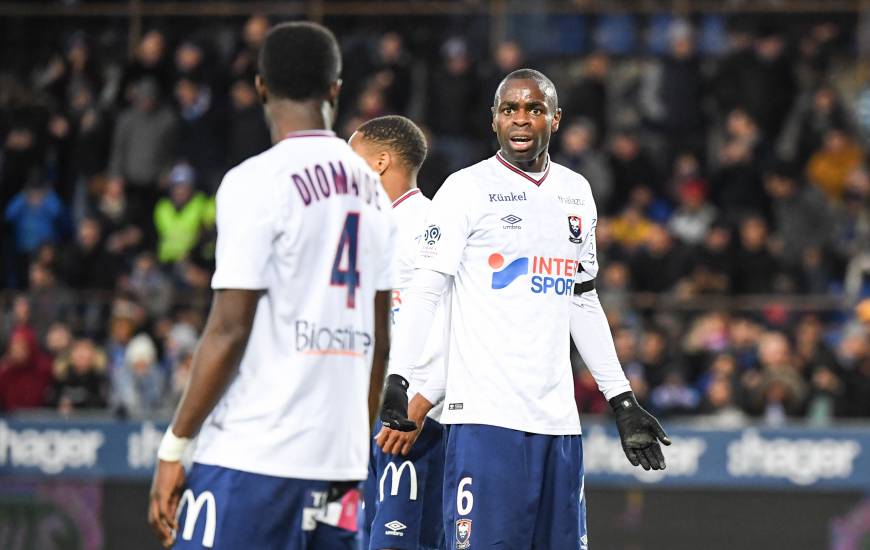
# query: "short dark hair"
[[398, 134], [545, 84], [299, 61]]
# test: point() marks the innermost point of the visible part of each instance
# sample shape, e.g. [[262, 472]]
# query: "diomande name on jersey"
[[308, 222], [515, 246]]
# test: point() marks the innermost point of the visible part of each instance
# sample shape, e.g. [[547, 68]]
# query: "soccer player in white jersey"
[[513, 237], [282, 389], [404, 490]]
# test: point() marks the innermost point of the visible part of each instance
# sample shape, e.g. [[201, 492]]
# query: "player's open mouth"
[[521, 143]]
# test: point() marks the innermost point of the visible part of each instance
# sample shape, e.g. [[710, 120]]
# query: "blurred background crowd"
[[727, 157]]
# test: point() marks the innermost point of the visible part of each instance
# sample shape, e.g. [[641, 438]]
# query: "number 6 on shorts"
[[464, 499]]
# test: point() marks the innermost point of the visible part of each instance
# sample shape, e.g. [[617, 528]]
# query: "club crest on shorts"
[[574, 227], [463, 533]]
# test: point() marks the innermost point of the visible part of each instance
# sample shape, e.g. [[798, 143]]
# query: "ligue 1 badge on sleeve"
[[574, 226], [463, 533]]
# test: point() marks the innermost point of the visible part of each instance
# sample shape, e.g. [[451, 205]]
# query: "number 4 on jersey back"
[[348, 277]]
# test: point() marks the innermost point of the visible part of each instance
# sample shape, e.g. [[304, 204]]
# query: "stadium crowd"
[[719, 171]]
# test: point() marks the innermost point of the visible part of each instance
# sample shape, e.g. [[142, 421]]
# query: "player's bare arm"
[[382, 352], [214, 363]]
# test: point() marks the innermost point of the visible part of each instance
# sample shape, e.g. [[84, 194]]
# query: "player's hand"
[[394, 410], [166, 488], [639, 432], [395, 442]]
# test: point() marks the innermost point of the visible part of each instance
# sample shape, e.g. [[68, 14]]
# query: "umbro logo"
[[395, 528], [511, 220]]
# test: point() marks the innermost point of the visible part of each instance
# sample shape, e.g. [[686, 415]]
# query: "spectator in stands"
[[830, 166], [143, 147], [801, 215], [720, 405], [123, 323], [244, 62], [181, 218], [736, 181], [80, 380], [151, 286], [672, 93], [247, 134], [58, 340], [36, 216], [767, 84], [393, 72], [823, 112], [588, 98], [693, 218], [25, 373], [123, 234], [453, 82], [85, 264], [137, 389], [578, 153], [631, 169], [625, 342], [632, 228], [50, 300], [755, 267], [659, 263], [674, 396], [201, 130], [149, 61], [775, 390], [654, 355]]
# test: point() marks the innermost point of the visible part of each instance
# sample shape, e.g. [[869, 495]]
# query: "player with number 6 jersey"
[[283, 389], [513, 239]]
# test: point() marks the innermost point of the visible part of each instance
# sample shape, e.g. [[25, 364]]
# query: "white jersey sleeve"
[[245, 232], [448, 226], [591, 335]]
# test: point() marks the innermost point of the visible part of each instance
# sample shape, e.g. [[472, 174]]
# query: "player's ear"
[[384, 160], [334, 91], [260, 86], [492, 124], [557, 118]]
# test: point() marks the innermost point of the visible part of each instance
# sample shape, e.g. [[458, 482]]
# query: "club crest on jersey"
[[574, 226], [463, 533]]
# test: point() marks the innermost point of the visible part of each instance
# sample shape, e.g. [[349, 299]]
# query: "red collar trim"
[[408, 193], [310, 133], [516, 170]]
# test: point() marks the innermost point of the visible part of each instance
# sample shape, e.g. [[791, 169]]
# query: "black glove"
[[394, 410], [640, 432]]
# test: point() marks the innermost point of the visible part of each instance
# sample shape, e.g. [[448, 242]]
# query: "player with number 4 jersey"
[[283, 390]]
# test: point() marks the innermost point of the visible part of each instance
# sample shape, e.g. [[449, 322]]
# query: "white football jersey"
[[515, 244], [409, 212], [308, 223]]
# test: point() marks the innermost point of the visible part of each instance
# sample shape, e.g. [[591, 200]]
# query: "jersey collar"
[[408, 193], [310, 133], [516, 170]]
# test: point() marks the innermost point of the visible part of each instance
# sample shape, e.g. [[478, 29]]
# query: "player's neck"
[[397, 185], [537, 164], [285, 117]]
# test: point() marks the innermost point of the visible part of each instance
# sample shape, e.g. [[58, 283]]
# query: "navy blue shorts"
[[509, 490], [227, 509], [403, 494]]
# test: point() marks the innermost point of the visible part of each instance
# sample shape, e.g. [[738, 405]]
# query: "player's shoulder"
[[468, 178], [572, 181]]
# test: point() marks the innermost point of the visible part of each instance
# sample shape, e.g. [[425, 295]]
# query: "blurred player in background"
[[282, 388], [403, 492], [513, 238]]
